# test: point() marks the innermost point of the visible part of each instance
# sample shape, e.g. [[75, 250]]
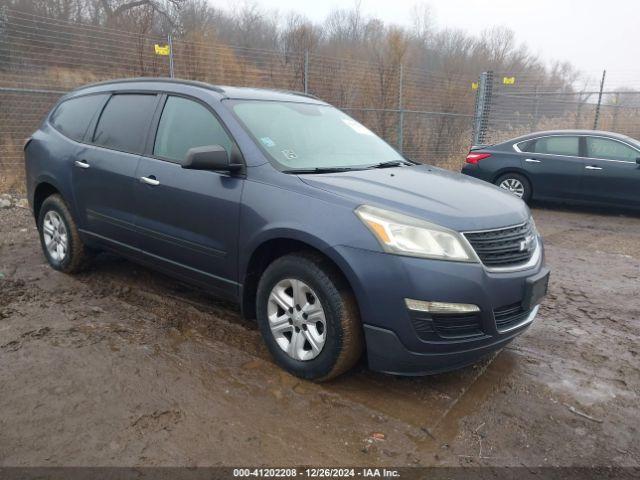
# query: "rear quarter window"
[[124, 122], [72, 117], [527, 145]]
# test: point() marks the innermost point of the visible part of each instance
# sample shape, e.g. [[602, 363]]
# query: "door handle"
[[81, 163], [531, 160], [150, 180], [591, 167]]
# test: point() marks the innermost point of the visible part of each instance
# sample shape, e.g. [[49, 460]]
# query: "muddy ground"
[[123, 366]]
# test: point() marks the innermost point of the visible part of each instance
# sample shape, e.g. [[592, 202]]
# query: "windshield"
[[301, 136]]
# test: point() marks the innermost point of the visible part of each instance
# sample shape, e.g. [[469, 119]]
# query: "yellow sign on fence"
[[508, 80], [474, 85], [162, 49]]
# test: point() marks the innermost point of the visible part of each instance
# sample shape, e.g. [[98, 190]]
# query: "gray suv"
[[325, 234]]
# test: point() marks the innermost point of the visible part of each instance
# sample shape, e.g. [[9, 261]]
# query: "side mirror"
[[209, 157], [638, 160]]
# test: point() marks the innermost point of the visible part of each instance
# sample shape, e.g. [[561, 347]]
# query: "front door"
[[188, 219]]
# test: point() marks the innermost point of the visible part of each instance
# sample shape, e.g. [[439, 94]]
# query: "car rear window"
[[124, 122], [72, 117]]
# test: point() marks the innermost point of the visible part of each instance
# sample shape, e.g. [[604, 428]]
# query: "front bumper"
[[385, 352], [398, 342]]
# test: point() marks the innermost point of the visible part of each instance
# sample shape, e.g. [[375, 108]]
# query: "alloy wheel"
[[297, 319], [56, 238], [514, 186]]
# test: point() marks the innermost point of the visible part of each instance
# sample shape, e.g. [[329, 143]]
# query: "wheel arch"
[[506, 170], [44, 189], [276, 246]]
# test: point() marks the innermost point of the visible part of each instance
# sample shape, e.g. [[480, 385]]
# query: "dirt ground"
[[123, 366]]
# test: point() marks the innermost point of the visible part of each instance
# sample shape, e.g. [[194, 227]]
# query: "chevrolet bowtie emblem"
[[526, 244]]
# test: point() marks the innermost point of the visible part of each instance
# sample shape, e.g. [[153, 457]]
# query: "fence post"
[[536, 108], [616, 108], [306, 71], [483, 107], [170, 41], [597, 117], [400, 111]]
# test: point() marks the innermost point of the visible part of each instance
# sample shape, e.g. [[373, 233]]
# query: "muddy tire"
[[59, 236], [308, 317]]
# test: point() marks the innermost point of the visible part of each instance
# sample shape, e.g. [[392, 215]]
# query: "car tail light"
[[476, 157]]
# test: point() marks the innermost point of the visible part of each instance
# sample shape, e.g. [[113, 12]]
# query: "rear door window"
[[608, 149], [186, 124], [124, 122], [562, 145], [72, 117]]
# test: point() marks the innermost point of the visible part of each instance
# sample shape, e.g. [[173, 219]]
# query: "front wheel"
[[308, 317], [515, 184]]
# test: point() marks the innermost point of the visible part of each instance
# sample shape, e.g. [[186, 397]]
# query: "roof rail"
[[193, 83], [295, 92]]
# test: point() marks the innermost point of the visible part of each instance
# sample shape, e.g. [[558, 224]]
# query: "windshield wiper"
[[391, 163], [320, 170]]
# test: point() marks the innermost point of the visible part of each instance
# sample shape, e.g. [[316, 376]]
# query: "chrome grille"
[[504, 247]]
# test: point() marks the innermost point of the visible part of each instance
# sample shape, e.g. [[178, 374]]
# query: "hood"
[[440, 196]]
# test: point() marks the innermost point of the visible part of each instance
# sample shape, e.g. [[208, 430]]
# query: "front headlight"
[[405, 235]]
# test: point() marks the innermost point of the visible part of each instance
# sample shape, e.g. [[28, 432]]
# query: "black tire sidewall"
[[302, 269], [525, 183], [50, 204]]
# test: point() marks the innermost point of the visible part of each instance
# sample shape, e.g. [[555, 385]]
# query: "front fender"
[[284, 232]]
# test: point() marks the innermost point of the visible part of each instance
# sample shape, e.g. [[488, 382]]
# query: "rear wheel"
[[515, 184], [59, 236], [308, 317]]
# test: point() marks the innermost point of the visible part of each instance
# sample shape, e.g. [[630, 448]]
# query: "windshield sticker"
[[358, 127], [267, 142], [289, 154]]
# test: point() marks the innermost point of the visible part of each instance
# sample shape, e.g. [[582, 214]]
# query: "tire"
[[518, 181], [75, 256], [343, 338]]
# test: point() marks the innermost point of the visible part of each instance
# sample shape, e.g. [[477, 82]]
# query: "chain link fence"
[[426, 115], [430, 116], [517, 105]]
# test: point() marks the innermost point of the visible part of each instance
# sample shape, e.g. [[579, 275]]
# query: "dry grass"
[[11, 171]]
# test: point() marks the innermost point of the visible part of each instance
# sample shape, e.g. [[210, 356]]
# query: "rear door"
[[554, 165], [611, 174], [104, 174], [189, 218]]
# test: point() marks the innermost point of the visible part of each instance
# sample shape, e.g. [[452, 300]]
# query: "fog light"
[[440, 307]]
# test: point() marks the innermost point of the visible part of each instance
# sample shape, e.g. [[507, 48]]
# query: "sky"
[[592, 34]]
